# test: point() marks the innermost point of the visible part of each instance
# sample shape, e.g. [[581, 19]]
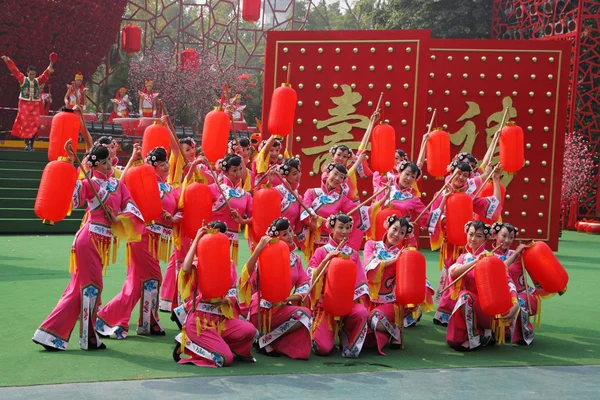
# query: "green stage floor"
[[34, 272]]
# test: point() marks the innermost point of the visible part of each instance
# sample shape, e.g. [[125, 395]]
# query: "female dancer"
[[90, 254], [353, 330], [380, 268], [268, 155], [242, 149], [380, 180], [144, 276], [469, 327], [286, 327], [212, 334], [521, 330]]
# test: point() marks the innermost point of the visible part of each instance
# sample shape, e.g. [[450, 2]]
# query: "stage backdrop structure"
[[339, 76]]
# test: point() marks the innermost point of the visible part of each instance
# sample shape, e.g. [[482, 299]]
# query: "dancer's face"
[[505, 238], [189, 152], [274, 154], [460, 179], [407, 178], [287, 236], [341, 157], [335, 178], [341, 231], [162, 169], [293, 177], [105, 166], [475, 238], [395, 234], [234, 174]]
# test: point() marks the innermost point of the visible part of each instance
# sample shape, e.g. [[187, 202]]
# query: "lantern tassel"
[[234, 251], [537, 320], [73, 261], [397, 319], [184, 339]]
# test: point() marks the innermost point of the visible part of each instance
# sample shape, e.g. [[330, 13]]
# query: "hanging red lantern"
[[197, 208], [459, 211], [156, 135], [54, 196], [383, 148], [487, 191], [381, 219], [438, 153], [131, 39], [215, 134], [265, 209], [214, 264], [338, 296], [492, 286], [142, 184], [545, 269], [274, 271], [189, 60], [251, 11], [512, 147], [411, 274], [283, 108], [65, 126]]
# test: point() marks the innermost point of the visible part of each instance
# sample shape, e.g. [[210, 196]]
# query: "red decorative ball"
[[53, 57]]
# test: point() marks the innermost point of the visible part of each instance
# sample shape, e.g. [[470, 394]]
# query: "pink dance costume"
[[277, 320], [325, 328], [212, 332], [382, 287], [91, 252], [144, 276]]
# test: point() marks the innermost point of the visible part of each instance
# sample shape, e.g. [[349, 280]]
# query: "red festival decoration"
[[197, 208], [512, 148], [54, 196], [189, 60], [381, 219], [214, 264], [265, 210], [215, 134], [383, 148], [438, 153], [251, 10], [459, 211], [488, 190], [131, 39], [492, 286], [545, 269], [338, 296], [411, 275], [156, 135], [54, 57], [65, 126], [141, 182], [274, 271], [283, 108]]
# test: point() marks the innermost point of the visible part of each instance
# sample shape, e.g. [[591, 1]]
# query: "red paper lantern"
[[214, 264], [142, 184], [283, 108], [265, 209], [251, 11], [54, 196], [156, 135], [65, 126], [274, 271], [383, 148], [338, 296], [189, 59], [215, 134], [545, 269], [459, 211], [131, 39], [593, 228], [411, 275], [438, 153], [488, 190], [380, 220], [512, 148], [197, 208], [581, 226], [492, 286]]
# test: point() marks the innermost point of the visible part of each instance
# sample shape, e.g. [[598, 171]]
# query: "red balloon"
[[338, 296], [544, 268], [265, 206], [215, 135], [274, 271], [65, 126], [411, 275], [142, 184], [512, 148], [283, 108], [214, 265], [131, 39], [438, 153], [54, 196], [383, 148], [459, 211], [492, 286], [488, 190], [156, 135], [251, 11], [197, 208]]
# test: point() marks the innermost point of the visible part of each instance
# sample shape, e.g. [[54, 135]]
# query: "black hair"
[[339, 167], [392, 219], [462, 166], [244, 142], [156, 155], [477, 225], [65, 109], [31, 68], [290, 163], [189, 141], [468, 157], [97, 153], [400, 152], [220, 225], [341, 147], [497, 227], [341, 217], [230, 160], [105, 140], [276, 143], [413, 167], [278, 225]]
